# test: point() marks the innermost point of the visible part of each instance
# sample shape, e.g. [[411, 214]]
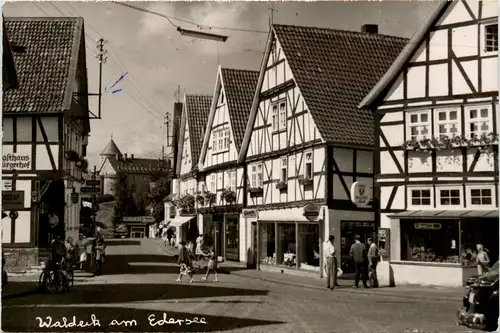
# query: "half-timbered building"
[[306, 143], [193, 123], [45, 133], [436, 138], [221, 180]]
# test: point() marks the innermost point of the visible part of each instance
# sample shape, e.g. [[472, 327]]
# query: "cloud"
[[152, 25]]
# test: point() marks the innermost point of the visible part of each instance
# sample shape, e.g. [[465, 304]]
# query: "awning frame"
[[179, 221], [445, 214]]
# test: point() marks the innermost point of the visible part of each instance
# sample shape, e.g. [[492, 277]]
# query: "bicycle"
[[54, 280]]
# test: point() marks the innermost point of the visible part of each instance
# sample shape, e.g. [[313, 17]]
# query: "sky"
[[158, 59]]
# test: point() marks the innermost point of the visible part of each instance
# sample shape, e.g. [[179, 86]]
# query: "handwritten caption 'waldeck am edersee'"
[[48, 322]]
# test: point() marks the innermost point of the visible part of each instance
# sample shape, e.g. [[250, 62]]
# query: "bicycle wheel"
[[40, 280], [55, 282]]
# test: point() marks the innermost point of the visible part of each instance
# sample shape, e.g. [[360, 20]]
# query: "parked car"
[[480, 308], [121, 231]]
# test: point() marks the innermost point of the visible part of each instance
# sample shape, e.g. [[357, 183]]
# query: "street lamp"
[[203, 35]]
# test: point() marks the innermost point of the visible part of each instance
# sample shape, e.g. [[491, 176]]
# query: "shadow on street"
[[122, 242], [122, 293], [14, 320]]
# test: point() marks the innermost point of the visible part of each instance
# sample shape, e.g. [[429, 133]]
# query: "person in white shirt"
[[331, 263], [199, 245]]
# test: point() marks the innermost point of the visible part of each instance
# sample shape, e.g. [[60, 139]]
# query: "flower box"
[[305, 181], [228, 196], [282, 186], [256, 191]]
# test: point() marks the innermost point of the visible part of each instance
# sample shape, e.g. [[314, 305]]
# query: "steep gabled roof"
[[404, 56], [239, 86], [111, 149], [45, 52], [9, 75], [334, 70], [196, 110]]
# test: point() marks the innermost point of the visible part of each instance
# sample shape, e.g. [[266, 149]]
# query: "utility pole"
[[102, 57], [95, 207]]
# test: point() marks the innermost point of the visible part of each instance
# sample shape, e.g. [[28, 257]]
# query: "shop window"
[[418, 123], [481, 197], [420, 197], [287, 245], [449, 197], [232, 239], [447, 123], [308, 247], [478, 121], [474, 232], [430, 241], [267, 243]]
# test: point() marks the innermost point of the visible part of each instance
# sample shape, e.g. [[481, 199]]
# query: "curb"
[[349, 290]]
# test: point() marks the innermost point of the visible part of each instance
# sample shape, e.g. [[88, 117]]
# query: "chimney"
[[125, 157], [131, 156], [370, 28], [117, 157]]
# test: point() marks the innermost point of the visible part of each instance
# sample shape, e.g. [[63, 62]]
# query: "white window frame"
[[449, 188], [282, 112], [284, 170], [213, 181], [483, 38], [275, 116], [214, 142], [447, 122], [420, 188], [468, 119], [226, 139], [256, 175], [232, 179], [419, 124], [306, 162], [221, 141], [491, 188]]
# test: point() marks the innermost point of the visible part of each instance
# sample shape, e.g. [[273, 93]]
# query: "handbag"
[[339, 272]]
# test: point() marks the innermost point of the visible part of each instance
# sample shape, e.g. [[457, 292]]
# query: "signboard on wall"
[[250, 213], [360, 194], [12, 200], [16, 161], [384, 243], [311, 211]]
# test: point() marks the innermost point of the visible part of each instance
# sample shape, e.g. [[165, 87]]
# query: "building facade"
[[306, 143], [46, 128], [221, 179], [437, 146], [193, 123]]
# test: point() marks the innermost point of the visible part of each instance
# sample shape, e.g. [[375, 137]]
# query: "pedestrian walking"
[[358, 255], [212, 265], [185, 263], [170, 234], [199, 245], [331, 264], [99, 252], [373, 259], [483, 261]]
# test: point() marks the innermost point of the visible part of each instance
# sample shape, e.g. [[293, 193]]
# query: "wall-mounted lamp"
[[203, 35]]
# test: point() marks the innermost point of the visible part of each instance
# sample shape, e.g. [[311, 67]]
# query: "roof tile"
[[44, 66], [239, 86], [334, 71], [197, 110]]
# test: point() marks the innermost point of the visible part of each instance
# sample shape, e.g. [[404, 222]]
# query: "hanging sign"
[[250, 213], [12, 200], [428, 226], [360, 194], [311, 212], [16, 161]]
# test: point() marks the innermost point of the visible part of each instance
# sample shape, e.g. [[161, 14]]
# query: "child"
[[185, 263], [212, 265]]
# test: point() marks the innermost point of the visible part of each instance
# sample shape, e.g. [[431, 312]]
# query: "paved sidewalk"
[[443, 293]]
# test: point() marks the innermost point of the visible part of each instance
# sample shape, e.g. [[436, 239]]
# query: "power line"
[[201, 26]]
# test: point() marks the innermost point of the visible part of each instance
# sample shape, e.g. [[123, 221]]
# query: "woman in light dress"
[[483, 261]]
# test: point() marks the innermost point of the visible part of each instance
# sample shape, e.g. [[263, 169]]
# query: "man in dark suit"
[[358, 255]]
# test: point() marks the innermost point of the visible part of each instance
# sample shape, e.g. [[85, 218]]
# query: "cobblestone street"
[[139, 284]]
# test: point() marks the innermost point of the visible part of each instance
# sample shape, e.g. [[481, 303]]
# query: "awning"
[[445, 214], [285, 215], [180, 220]]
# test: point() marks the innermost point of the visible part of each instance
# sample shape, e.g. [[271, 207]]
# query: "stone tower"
[[109, 177]]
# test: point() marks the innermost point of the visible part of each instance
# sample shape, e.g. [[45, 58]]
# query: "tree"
[[124, 205], [157, 196]]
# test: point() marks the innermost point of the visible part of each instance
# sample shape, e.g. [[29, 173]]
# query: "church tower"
[[109, 178]]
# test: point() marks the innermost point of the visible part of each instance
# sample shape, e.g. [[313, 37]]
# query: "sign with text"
[[142, 219], [428, 226], [250, 213], [86, 189], [360, 194], [93, 182], [12, 200], [311, 211], [16, 161]]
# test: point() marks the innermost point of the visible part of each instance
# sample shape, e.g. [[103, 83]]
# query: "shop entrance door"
[[137, 232], [349, 229], [232, 237]]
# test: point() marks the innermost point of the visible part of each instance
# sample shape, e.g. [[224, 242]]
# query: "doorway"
[[349, 229], [137, 232]]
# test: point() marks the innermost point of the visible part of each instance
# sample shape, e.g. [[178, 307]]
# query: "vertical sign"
[[384, 243]]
